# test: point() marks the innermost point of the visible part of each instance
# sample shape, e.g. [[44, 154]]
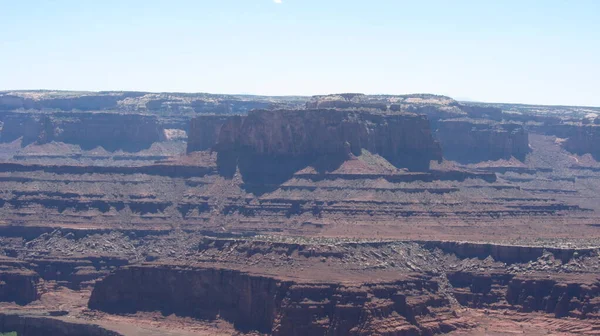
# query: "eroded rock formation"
[[112, 131], [18, 283], [204, 132], [474, 141], [575, 296], [584, 139], [297, 138], [410, 306]]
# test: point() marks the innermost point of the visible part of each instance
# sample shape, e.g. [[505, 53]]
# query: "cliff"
[[204, 132], [467, 140], [411, 306], [17, 283], [576, 136], [584, 139], [112, 131], [575, 296], [306, 135]]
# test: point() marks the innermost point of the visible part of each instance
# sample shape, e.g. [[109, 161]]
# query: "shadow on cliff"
[[263, 173]]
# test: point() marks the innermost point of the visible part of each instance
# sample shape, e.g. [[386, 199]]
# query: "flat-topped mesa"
[[320, 134], [467, 140]]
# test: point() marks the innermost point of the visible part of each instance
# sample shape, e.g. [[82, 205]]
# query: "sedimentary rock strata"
[[341, 214], [111, 131], [404, 140], [473, 141], [279, 307], [204, 132]]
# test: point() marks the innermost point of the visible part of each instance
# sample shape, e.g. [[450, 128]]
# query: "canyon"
[[133, 213]]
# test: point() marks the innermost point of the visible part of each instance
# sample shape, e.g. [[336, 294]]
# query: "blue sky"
[[527, 51]]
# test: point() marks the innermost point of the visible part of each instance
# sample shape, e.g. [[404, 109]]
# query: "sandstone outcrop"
[[584, 139], [577, 296], [204, 132], [18, 283], [112, 131], [575, 136], [410, 306], [474, 141], [303, 136]]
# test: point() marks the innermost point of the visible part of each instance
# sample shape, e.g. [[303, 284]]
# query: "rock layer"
[[472, 141], [112, 131], [575, 296], [204, 132], [411, 306], [306, 135]]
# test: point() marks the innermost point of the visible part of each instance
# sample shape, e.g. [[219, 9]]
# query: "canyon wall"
[[578, 138], [204, 132], [411, 306], [112, 131], [17, 283], [415, 305], [584, 139], [575, 296], [474, 141], [306, 135]]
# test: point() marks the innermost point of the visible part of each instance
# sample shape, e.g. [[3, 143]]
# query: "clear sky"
[[528, 51]]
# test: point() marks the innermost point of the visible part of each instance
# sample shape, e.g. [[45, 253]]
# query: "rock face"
[[472, 141], [278, 307], [577, 137], [112, 131], [28, 126], [204, 132], [584, 139], [307, 135], [17, 284], [568, 297]]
